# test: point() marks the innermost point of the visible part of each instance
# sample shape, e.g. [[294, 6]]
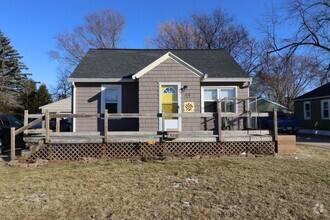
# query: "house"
[[61, 106], [265, 105], [155, 80], [313, 108]]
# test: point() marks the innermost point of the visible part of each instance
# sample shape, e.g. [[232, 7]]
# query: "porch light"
[[184, 88]]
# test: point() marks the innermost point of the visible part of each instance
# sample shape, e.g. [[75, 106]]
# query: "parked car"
[[6, 122], [285, 123]]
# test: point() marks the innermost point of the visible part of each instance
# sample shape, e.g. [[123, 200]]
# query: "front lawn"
[[293, 187]]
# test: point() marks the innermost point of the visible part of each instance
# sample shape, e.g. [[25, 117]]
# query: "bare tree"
[[310, 20], [177, 35], [283, 79], [63, 88], [312, 17], [210, 31], [102, 29]]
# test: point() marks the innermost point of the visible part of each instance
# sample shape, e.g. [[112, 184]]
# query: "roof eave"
[[100, 80], [311, 98], [228, 79]]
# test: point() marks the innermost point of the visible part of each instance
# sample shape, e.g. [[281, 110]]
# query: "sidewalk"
[[313, 140]]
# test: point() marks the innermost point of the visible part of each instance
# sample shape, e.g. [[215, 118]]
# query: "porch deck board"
[[203, 136]]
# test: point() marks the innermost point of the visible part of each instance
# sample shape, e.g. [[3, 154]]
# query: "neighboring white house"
[[61, 106]]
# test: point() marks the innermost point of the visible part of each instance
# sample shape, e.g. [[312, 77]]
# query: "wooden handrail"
[[31, 124], [35, 115], [153, 115], [66, 115], [47, 116]]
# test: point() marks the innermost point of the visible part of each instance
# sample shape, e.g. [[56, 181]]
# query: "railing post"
[[248, 120], [43, 124], [58, 124], [12, 144], [256, 118], [219, 121], [275, 125], [163, 126], [26, 119], [106, 124], [47, 126]]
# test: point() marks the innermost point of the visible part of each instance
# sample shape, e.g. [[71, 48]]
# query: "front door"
[[170, 103]]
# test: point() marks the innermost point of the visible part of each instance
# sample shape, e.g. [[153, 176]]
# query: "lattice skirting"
[[71, 152]]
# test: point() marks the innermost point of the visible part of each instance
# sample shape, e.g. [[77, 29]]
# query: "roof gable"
[[160, 60]]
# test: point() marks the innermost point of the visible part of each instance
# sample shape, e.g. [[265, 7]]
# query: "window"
[[16, 123], [325, 109], [228, 104], [169, 90], [211, 95], [111, 98], [210, 100], [307, 110], [5, 121]]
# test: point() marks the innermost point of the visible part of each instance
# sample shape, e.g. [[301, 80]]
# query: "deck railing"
[[45, 119]]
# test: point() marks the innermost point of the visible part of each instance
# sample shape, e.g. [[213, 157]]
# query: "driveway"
[[313, 140]]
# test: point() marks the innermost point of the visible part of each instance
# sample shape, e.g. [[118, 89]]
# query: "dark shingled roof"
[[318, 92], [123, 63]]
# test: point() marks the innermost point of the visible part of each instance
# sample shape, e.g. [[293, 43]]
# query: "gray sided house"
[[313, 108], [151, 81]]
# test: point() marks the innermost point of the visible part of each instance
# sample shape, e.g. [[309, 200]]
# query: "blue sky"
[[31, 25]]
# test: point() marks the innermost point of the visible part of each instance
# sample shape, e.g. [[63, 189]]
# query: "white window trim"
[[310, 110], [218, 88], [111, 86], [322, 109]]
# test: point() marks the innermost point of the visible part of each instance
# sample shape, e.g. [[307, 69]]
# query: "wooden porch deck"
[[185, 136], [222, 139]]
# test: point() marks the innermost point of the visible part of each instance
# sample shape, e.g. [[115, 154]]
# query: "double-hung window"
[[228, 99], [325, 109], [227, 95], [210, 100], [111, 98], [307, 110]]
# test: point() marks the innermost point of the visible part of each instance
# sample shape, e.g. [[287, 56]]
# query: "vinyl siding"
[[316, 122], [88, 101], [168, 71]]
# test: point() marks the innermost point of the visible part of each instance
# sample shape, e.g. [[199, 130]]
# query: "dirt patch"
[[290, 187]]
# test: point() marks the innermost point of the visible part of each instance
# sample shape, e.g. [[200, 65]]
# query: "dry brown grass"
[[224, 188]]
